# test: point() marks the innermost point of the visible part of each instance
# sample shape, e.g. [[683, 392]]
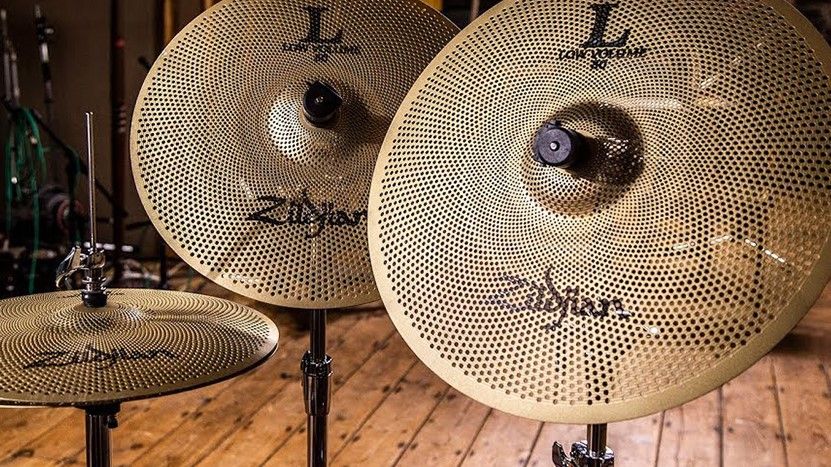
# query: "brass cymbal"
[[683, 234], [143, 343], [238, 181]]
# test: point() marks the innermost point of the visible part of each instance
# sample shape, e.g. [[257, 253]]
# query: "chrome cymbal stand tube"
[[321, 105], [93, 292], [100, 419], [317, 389], [590, 453], [93, 261]]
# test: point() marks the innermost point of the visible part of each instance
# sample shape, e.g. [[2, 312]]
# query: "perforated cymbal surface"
[[691, 236], [232, 174], [144, 343]]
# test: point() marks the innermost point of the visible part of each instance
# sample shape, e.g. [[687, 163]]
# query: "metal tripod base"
[[100, 419], [590, 453], [317, 389]]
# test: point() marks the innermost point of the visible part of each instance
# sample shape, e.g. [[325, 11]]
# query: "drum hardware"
[[317, 389], [10, 76], [321, 104], [75, 166], [116, 345], [558, 146], [606, 240], [92, 261], [276, 190], [590, 453], [44, 32], [100, 420]]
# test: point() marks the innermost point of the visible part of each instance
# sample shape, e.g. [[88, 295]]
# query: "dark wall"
[[80, 57]]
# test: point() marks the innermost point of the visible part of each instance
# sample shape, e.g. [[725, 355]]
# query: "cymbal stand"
[[321, 106], [100, 419], [590, 453], [317, 389], [92, 262]]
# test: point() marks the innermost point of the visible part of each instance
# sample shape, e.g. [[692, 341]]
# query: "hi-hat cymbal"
[[238, 180], [681, 236], [143, 343]]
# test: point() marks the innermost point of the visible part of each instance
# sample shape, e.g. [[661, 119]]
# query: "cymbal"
[[586, 212], [143, 343], [239, 181]]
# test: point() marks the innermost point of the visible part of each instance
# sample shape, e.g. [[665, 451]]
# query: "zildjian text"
[[91, 355], [522, 294]]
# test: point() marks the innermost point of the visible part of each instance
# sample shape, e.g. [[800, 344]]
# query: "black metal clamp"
[[590, 453], [317, 388]]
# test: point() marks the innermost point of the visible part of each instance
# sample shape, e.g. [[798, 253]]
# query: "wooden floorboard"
[[635, 442], [387, 433], [283, 416], [447, 434], [689, 427], [354, 401], [35, 423], [201, 431], [752, 426], [806, 410], [503, 440], [389, 409]]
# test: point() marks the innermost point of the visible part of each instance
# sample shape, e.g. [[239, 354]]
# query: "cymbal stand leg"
[[590, 453], [317, 374], [99, 421]]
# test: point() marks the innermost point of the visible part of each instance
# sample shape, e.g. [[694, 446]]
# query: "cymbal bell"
[[587, 212], [143, 343], [255, 135]]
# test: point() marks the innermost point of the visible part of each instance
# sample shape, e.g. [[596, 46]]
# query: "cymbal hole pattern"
[[705, 232], [219, 125]]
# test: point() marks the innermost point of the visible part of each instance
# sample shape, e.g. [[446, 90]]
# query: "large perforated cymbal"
[[232, 173], [145, 343], [688, 238]]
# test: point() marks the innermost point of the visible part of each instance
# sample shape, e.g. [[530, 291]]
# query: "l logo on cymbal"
[[598, 49], [316, 40], [315, 23], [602, 11]]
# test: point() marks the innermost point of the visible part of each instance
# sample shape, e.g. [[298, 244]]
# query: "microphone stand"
[[44, 32]]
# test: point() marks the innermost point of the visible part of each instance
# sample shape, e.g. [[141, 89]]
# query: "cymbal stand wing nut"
[[581, 456]]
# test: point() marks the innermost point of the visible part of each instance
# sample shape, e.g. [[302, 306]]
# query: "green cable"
[[25, 158], [7, 150], [36, 240], [36, 139], [41, 158]]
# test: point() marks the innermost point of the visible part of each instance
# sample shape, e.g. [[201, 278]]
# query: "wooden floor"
[[389, 409]]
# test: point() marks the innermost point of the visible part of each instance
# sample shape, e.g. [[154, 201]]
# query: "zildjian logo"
[[302, 211], [545, 298], [103, 359]]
